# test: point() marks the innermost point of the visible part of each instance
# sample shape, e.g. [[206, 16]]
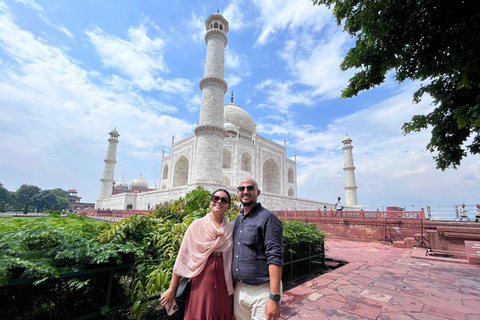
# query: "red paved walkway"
[[382, 282]]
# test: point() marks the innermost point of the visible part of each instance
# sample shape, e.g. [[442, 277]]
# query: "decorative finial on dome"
[[218, 10], [231, 99]]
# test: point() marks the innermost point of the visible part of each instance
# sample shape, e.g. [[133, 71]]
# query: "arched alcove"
[[291, 177], [227, 159], [180, 177], [290, 192], [226, 180], [165, 172], [246, 162], [271, 177]]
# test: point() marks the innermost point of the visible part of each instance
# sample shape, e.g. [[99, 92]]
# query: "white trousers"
[[249, 301]]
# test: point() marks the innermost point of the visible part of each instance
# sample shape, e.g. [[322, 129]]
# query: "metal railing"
[[73, 295], [302, 260]]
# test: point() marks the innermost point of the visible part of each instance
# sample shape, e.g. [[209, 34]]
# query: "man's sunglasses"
[[224, 200], [242, 188]]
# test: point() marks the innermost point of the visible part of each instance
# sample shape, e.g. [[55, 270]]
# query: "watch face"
[[275, 297]]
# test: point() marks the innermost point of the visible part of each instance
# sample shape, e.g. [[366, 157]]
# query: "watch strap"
[[275, 297]]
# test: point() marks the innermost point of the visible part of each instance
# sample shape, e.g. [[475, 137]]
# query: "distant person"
[[324, 208], [462, 213], [477, 213], [338, 205]]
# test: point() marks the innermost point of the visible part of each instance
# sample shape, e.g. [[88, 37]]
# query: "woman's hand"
[[168, 297]]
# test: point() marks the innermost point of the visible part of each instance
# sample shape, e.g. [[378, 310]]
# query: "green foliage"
[[5, 195], [55, 199], [25, 209], [433, 41], [2, 206], [25, 193], [45, 247], [295, 231]]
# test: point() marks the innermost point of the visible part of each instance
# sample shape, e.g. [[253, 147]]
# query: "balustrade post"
[[296, 215], [422, 215], [362, 214], [319, 214], [379, 215], [286, 213], [331, 214]]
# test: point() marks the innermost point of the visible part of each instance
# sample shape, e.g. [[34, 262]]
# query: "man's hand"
[[272, 310]]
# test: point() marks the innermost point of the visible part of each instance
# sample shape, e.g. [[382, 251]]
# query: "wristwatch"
[[275, 297]]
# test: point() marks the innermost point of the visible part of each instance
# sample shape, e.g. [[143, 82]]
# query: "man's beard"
[[248, 203]]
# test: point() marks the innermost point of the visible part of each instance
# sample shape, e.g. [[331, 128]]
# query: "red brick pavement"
[[383, 282]]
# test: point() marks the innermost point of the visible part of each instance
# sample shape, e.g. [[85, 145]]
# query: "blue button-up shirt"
[[257, 242]]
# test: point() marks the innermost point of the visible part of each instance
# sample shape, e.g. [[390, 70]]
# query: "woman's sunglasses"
[[242, 188], [224, 200]]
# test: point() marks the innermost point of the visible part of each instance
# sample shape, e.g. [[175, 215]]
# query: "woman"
[[205, 256]]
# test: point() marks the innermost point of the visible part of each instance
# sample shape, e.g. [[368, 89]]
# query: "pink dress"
[[209, 298]]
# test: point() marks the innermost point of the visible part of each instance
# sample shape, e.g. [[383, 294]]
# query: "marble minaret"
[[210, 132], [349, 168], [109, 168]]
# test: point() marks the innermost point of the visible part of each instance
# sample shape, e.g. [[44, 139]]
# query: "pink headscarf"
[[200, 241]]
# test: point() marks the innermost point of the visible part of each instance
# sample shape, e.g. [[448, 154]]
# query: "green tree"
[[25, 193], [62, 200], [5, 195], [434, 41], [2, 206], [43, 200], [27, 206]]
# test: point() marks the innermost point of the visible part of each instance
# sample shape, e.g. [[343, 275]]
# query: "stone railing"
[[354, 215], [113, 213]]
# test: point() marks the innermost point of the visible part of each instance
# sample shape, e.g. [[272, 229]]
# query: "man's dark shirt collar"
[[252, 211]]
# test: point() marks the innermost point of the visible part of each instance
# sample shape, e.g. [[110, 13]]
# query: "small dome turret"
[[122, 184], [140, 182]]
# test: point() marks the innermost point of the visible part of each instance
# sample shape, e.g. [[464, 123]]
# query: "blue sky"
[[70, 71]]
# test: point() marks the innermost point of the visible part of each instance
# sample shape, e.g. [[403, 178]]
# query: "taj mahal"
[[224, 149]]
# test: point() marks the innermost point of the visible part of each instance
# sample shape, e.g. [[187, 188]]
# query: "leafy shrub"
[[46, 247]]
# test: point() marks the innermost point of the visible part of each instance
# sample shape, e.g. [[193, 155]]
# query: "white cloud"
[[232, 59], [276, 15], [193, 104], [198, 27], [281, 97], [234, 14], [60, 28], [31, 4], [50, 103], [140, 57]]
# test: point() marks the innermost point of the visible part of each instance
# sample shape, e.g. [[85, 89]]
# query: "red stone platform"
[[386, 283]]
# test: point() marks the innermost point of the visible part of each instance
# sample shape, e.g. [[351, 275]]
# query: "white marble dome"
[[122, 184], [140, 182], [229, 127], [240, 118]]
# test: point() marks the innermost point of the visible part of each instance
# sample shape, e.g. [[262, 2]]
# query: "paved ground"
[[383, 282]]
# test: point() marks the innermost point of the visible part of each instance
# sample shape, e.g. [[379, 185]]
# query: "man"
[[463, 213], [257, 257], [338, 205]]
